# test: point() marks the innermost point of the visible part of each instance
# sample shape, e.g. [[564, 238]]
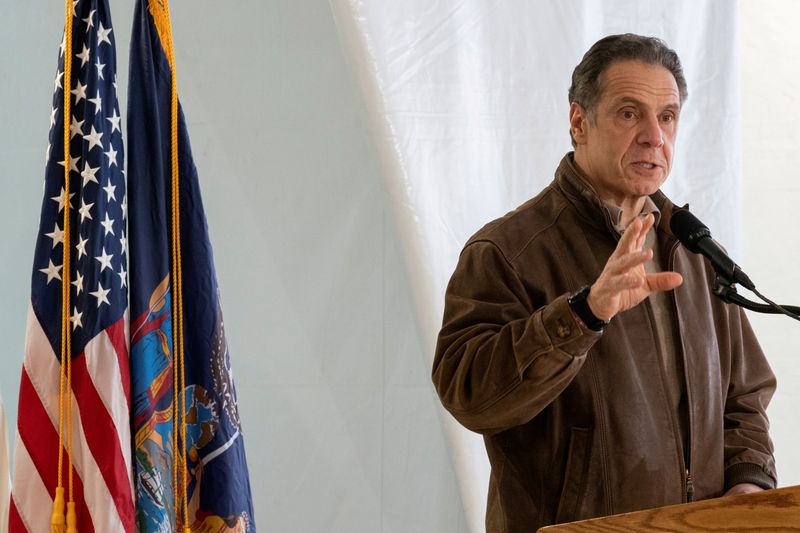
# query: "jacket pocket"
[[574, 485]]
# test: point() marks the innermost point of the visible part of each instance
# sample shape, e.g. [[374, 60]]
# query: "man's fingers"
[[626, 281], [647, 223], [634, 235], [627, 243], [626, 262], [664, 281]]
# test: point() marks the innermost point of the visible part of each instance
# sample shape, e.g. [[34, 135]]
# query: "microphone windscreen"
[[688, 229]]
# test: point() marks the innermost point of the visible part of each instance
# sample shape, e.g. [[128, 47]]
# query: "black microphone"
[[695, 236]]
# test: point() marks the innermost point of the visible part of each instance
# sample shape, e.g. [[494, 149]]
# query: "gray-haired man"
[[584, 343]]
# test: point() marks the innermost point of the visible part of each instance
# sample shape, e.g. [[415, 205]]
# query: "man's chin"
[[647, 185], [650, 189]]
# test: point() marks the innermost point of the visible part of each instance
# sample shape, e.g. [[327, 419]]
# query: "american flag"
[[98, 312]]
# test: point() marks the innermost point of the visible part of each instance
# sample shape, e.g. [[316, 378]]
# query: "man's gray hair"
[[586, 86]]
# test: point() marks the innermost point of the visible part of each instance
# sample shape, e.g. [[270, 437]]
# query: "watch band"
[[579, 304]]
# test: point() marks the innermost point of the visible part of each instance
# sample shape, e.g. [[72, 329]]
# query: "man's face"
[[626, 148]]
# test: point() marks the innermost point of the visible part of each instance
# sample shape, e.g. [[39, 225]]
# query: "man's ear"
[[578, 122]]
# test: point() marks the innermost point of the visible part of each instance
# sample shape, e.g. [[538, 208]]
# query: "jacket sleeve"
[[748, 448], [501, 358]]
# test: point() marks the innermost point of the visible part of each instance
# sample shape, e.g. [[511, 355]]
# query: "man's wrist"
[[579, 304], [748, 473]]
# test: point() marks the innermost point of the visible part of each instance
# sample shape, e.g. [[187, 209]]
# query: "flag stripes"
[[98, 442], [38, 436]]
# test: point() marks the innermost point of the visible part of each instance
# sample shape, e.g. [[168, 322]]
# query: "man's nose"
[[651, 133]]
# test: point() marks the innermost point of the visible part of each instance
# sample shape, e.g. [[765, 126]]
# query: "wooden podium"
[[770, 510]]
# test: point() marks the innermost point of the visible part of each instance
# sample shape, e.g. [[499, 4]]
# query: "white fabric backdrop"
[[334, 394], [469, 109]]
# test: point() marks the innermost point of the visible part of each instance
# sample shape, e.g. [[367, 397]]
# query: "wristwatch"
[[579, 304]]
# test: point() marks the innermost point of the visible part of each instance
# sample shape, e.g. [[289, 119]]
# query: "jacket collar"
[[580, 193]]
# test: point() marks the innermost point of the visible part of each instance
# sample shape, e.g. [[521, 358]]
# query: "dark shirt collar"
[[615, 213]]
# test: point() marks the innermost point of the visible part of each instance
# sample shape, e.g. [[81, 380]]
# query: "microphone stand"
[[725, 289]]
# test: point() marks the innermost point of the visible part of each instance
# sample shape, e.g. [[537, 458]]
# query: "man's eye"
[[628, 115], [669, 117]]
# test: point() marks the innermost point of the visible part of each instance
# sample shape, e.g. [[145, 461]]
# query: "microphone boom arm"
[[726, 291]]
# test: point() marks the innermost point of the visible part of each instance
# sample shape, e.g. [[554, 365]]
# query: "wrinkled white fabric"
[[469, 106]]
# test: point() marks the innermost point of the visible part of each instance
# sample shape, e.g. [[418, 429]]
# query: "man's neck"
[[630, 207]]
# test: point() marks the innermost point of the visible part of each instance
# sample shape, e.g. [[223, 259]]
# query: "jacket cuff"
[[748, 473], [565, 331]]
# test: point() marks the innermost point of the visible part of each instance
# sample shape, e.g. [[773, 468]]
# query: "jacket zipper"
[[687, 452]]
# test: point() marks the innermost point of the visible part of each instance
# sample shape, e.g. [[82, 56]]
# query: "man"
[[584, 342]]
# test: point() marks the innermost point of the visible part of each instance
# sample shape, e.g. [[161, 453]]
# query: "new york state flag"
[[218, 488]]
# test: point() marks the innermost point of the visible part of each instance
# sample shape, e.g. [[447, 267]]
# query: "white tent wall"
[[329, 348], [770, 66]]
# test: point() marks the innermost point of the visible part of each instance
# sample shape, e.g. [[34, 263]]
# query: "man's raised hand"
[[623, 283]]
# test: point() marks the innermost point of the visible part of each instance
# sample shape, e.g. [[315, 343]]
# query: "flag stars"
[[102, 34], [101, 294], [83, 56], [81, 247], [76, 319], [87, 279], [112, 156], [57, 235], [110, 195], [108, 225], [88, 174], [114, 120], [97, 101], [84, 211], [105, 260], [93, 138], [79, 91], [60, 200], [123, 242], [88, 20], [76, 128], [63, 45], [78, 283], [73, 163], [52, 271]]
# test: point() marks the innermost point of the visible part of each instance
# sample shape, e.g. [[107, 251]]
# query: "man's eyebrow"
[[629, 100], [674, 106]]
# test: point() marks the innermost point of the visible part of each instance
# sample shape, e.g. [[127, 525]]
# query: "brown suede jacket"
[[578, 423]]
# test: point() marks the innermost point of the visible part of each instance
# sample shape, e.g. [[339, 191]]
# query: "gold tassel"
[[57, 522], [72, 518]]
